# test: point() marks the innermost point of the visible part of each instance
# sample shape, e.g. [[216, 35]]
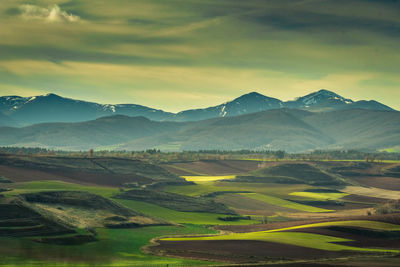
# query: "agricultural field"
[[55, 210], [319, 239]]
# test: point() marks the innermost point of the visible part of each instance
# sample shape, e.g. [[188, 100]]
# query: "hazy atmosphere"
[[182, 54], [199, 133]]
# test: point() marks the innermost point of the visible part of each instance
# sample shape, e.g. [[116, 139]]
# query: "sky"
[[181, 54]]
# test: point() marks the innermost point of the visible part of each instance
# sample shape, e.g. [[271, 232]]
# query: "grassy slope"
[[176, 202], [309, 240], [143, 207], [115, 244], [270, 193], [292, 173], [116, 247], [278, 190], [178, 216], [37, 186], [284, 203]]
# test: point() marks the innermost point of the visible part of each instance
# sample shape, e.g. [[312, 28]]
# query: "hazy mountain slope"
[[286, 129], [84, 135], [371, 104], [6, 120], [359, 128], [290, 130], [274, 129], [248, 103], [325, 100], [54, 108]]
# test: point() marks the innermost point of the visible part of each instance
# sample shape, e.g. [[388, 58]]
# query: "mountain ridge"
[[22, 111]]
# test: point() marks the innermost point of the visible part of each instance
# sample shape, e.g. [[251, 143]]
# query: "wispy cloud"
[[159, 52], [49, 14]]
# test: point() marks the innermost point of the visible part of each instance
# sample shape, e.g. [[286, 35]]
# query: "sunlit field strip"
[[207, 178], [382, 226], [319, 196]]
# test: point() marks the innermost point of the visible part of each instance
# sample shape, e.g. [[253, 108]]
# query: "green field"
[[394, 149], [284, 203], [116, 247], [199, 218], [37, 186], [129, 219], [143, 207], [277, 190]]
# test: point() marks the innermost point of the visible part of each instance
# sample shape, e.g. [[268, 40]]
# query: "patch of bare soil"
[[389, 183], [364, 199]]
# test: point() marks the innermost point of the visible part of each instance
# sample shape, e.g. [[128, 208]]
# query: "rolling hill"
[[105, 131], [286, 129]]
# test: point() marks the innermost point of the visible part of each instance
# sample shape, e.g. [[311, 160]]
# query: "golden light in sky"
[[182, 54]]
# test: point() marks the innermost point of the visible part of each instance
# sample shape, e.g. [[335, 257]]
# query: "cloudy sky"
[[178, 54]]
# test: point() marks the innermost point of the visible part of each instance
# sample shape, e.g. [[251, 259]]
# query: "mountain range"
[[291, 130], [321, 120], [23, 111]]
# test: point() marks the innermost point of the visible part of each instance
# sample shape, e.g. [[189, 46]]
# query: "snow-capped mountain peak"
[[320, 96]]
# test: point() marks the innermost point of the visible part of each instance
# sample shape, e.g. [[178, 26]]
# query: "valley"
[[142, 213]]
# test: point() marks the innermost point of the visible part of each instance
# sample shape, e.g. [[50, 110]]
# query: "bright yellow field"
[[207, 178]]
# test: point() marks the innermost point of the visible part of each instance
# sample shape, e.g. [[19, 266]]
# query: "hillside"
[[279, 129], [359, 128], [6, 120], [296, 173], [274, 129], [106, 131], [54, 108], [103, 171]]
